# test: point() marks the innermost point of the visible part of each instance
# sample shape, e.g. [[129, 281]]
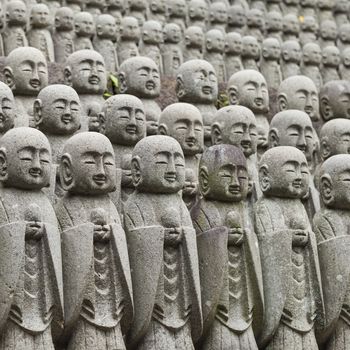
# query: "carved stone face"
[[271, 49], [172, 33], [251, 47], [106, 27], [344, 33], [197, 82], [255, 19], [190, 188], [237, 16], [130, 29], [312, 54], [194, 37], [141, 77], [309, 24], [274, 21], [26, 71], [40, 16], [184, 123], [283, 172], [58, 109], [16, 13], [218, 12], [233, 43], [215, 40], [152, 32], [235, 125], [291, 51], [137, 5], [64, 19], [341, 6], [87, 164], [87, 72], [197, 9], [27, 157], [291, 24], [345, 57], [84, 24], [125, 120], [7, 108], [177, 8], [331, 56], [158, 165], [157, 6], [328, 30]]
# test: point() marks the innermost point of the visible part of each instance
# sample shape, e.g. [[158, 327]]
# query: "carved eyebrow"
[[291, 162], [251, 82], [178, 154]]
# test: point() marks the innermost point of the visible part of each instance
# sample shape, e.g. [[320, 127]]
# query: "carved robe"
[[192, 53], [172, 59], [31, 290], [165, 278], [152, 51], [41, 39], [126, 49], [291, 276], [13, 37], [216, 59], [289, 69], [82, 43], [233, 65], [271, 71], [231, 283], [98, 292], [313, 72], [107, 50], [63, 44]]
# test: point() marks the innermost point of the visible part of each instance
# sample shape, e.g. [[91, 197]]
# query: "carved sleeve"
[[325, 227], [263, 221]]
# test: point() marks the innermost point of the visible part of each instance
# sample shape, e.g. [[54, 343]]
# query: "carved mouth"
[[94, 80], [190, 142], [99, 179], [233, 189], [259, 102], [207, 90], [170, 177], [297, 184], [35, 172], [66, 119], [131, 129], [34, 83], [150, 85], [308, 110], [302, 148]]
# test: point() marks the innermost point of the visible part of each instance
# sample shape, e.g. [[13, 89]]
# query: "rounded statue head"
[[328, 30], [274, 21], [236, 16], [312, 54], [87, 165], [309, 24], [57, 110], [106, 27], [84, 24], [283, 172], [345, 57], [25, 159], [334, 184], [218, 12], [251, 47], [271, 49], [259, 5], [7, 108], [139, 76], [172, 33], [223, 174], [291, 24], [335, 100], [255, 19], [291, 51], [293, 128], [341, 6], [335, 138], [177, 8], [325, 4], [196, 82], [248, 88], [64, 19], [194, 37], [85, 71], [344, 33], [137, 5], [235, 125], [299, 92], [215, 40], [197, 9], [158, 165], [124, 120], [157, 6], [331, 56], [233, 43], [26, 71], [184, 123], [130, 29], [40, 16], [152, 32], [16, 13]]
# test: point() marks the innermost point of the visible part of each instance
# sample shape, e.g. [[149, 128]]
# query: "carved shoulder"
[[205, 216], [263, 219], [327, 225]]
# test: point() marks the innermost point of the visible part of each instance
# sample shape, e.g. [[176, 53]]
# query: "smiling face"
[[328, 30], [251, 47], [16, 13], [197, 9], [233, 43], [172, 33], [106, 27], [84, 24], [40, 16], [218, 12], [331, 56], [237, 16], [130, 28], [271, 49], [215, 40], [64, 19], [194, 37]]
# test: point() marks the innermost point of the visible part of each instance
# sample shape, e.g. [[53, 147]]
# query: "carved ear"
[[216, 134], [264, 53], [68, 76], [250, 186], [208, 44], [9, 80], [102, 122], [99, 29], [76, 27], [264, 178], [285, 55], [203, 179], [305, 57], [37, 112], [273, 138], [233, 95], [326, 189], [282, 102], [65, 172], [325, 108], [325, 149], [122, 82], [162, 129], [153, 6], [187, 40], [180, 87], [145, 35], [57, 21], [136, 171], [3, 165]]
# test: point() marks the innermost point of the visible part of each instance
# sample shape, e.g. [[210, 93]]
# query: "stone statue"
[[129, 39], [177, 12], [325, 10], [227, 245], [312, 58], [151, 39], [26, 74], [340, 12], [236, 19], [309, 30], [218, 16], [8, 113], [269, 64], [138, 9], [193, 43], [116, 8], [98, 291], [198, 13], [291, 27], [290, 58], [214, 52], [308, 7], [288, 251], [344, 67], [331, 231], [248, 88], [75, 5], [95, 7], [139, 76], [274, 25], [274, 6], [63, 36], [250, 52], [190, 190], [197, 84], [343, 41], [171, 49], [2, 26], [255, 24], [328, 33], [161, 239], [39, 36], [157, 11], [53, 6], [290, 7], [335, 100], [233, 50], [86, 73], [16, 19], [32, 292], [103, 42], [259, 5], [84, 31], [330, 64]]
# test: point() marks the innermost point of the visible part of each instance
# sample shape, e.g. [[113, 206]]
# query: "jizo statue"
[[325, 10], [32, 293], [290, 58], [198, 13], [311, 63], [218, 16], [116, 8], [274, 25], [8, 112], [233, 50], [98, 291], [309, 30], [161, 239], [288, 252], [291, 27], [344, 67], [250, 52], [138, 9], [308, 7], [255, 24], [340, 12], [95, 7], [290, 7], [129, 38], [330, 64], [232, 296], [84, 27], [157, 11], [236, 19], [343, 41], [177, 12], [328, 33], [193, 43]]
